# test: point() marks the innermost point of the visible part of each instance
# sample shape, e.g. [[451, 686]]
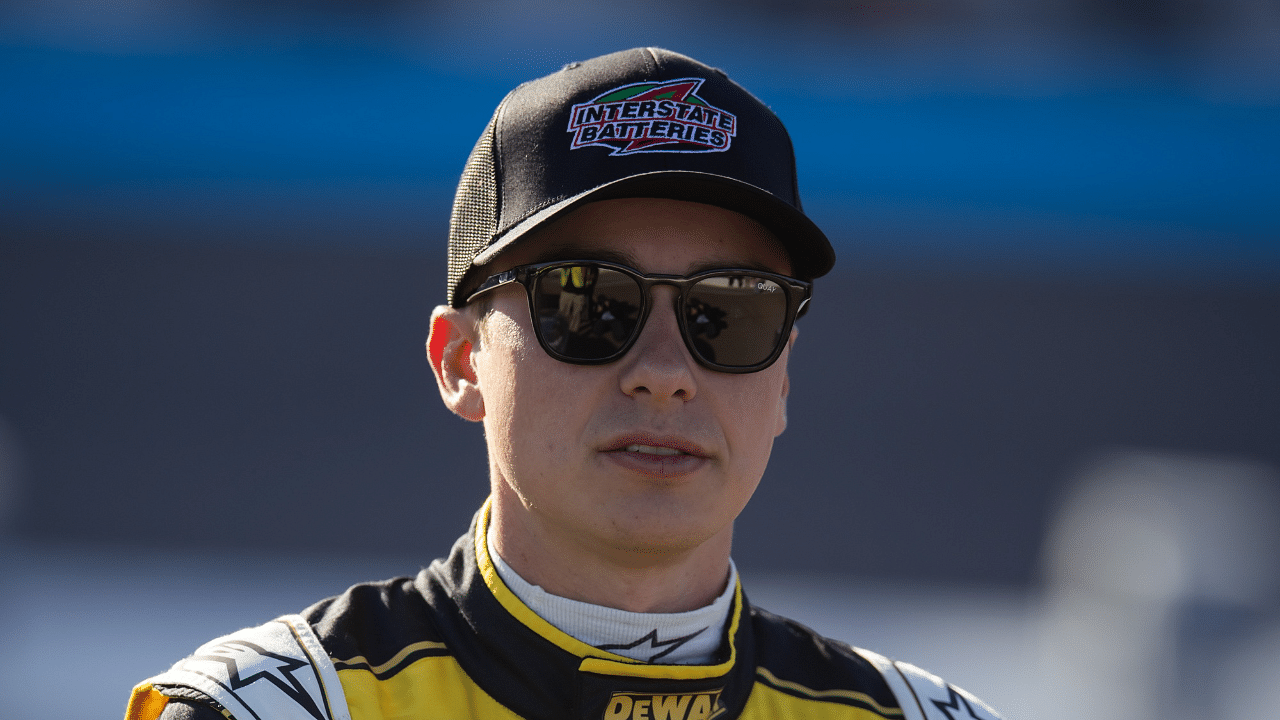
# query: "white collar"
[[684, 638]]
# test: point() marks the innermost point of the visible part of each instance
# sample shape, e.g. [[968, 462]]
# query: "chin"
[[654, 548], [658, 537]]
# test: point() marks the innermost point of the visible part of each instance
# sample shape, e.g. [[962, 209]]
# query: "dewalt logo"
[[648, 706]]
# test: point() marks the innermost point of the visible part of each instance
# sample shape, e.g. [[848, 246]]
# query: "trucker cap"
[[639, 123]]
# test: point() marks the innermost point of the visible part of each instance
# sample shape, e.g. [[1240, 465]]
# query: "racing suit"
[[455, 642]]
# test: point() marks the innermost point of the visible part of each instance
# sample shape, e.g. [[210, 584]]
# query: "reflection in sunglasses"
[[590, 312]]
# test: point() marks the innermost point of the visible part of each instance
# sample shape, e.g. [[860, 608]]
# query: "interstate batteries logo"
[[653, 117]]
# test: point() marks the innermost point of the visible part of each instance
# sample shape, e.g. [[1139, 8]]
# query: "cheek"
[[520, 383], [752, 419], [497, 362]]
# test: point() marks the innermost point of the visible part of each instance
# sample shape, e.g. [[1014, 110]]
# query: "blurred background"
[[1035, 417]]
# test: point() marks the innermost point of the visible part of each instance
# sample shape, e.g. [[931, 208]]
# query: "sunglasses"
[[588, 312]]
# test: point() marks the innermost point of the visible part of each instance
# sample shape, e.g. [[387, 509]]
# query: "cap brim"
[[810, 250]]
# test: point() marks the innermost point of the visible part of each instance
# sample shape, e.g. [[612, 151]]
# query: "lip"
[[672, 442], [690, 456]]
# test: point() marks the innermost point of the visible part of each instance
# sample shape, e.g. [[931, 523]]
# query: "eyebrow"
[[574, 252]]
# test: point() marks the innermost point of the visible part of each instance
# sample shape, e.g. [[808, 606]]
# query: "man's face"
[[651, 453]]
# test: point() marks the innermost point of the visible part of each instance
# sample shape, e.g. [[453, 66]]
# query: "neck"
[[634, 578]]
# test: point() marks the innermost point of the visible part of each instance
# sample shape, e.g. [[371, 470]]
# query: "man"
[[627, 257]]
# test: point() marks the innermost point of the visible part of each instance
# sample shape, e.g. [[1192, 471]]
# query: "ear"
[[786, 385], [449, 352]]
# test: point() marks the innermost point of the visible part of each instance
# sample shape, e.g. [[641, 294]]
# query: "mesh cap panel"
[[475, 209]]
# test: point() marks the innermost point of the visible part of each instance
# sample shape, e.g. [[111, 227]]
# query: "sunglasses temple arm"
[[492, 282]]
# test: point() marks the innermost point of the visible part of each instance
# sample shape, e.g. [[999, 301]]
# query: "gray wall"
[[213, 396]]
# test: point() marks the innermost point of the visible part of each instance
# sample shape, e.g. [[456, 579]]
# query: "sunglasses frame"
[[798, 293]]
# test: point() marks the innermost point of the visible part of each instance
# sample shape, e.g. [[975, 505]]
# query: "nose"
[[659, 367]]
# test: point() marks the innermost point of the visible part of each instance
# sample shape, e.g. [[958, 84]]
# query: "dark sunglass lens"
[[586, 312], [736, 320]]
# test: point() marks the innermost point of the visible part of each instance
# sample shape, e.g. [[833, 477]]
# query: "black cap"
[[639, 123]]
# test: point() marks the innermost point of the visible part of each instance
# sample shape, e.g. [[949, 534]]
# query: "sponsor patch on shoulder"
[[651, 117]]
